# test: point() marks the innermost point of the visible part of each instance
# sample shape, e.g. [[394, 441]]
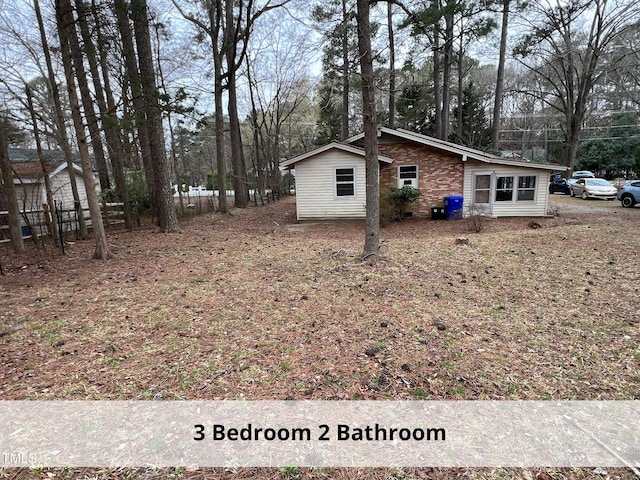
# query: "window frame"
[[337, 182], [488, 189], [504, 189], [413, 180], [533, 189]]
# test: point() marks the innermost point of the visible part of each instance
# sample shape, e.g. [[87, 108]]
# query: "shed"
[[29, 179]]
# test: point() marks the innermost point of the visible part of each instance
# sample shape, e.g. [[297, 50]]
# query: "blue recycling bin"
[[26, 230], [453, 207]]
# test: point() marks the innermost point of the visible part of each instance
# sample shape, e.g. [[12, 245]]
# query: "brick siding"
[[439, 173]]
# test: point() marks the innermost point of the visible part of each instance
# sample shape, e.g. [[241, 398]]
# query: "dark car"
[[560, 186], [629, 193]]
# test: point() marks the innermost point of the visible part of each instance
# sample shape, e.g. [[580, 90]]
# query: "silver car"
[[593, 188]]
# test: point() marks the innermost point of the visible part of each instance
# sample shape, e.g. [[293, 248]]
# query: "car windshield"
[[600, 182]]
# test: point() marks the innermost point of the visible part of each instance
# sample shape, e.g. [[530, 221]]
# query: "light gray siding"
[[316, 197], [530, 208]]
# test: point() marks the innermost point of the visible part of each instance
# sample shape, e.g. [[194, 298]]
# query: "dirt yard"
[[257, 306]]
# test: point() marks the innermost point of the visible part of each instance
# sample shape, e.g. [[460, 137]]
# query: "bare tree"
[[372, 221], [344, 38], [9, 189], [392, 67], [106, 104], [167, 218], [63, 139], [72, 55], [234, 35], [212, 27], [497, 104], [43, 166], [228, 26], [87, 104], [280, 93], [567, 43]]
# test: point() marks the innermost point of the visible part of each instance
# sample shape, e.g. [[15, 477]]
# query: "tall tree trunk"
[[372, 222], [172, 138], [15, 230], [106, 104], [215, 19], [45, 173], [87, 104], [133, 79], [68, 40], [446, 76], [344, 126], [240, 183], [392, 67], [437, 85], [497, 104], [460, 117], [62, 129], [259, 164], [167, 218]]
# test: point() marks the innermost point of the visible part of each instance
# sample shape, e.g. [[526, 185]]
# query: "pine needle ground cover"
[[256, 306]]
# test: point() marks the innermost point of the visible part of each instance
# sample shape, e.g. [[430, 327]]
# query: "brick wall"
[[439, 173]]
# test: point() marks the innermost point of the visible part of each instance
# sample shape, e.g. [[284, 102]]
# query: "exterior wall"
[[535, 208], [439, 173], [61, 188], [33, 195], [315, 187], [28, 196]]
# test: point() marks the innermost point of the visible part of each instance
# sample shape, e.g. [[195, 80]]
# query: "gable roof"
[[331, 146], [25, 163], [465, 152]]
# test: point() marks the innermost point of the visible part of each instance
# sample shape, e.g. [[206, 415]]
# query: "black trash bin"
[[438, 213]]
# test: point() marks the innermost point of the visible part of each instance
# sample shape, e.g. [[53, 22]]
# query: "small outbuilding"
[[28, 179], [330, 179]]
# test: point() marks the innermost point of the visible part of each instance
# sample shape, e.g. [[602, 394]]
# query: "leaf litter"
[[256, 306]]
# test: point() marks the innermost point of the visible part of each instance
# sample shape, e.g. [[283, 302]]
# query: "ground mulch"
[[254, 305]]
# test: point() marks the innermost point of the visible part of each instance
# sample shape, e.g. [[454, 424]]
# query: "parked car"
[[593, 188], [560, 185], [583, 174], [629, 193]]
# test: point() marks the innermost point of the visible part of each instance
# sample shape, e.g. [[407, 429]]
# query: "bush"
[[395, 203], [139, 198], [477, 219]]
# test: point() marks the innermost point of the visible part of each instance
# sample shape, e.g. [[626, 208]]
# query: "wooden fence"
[[268, 197], [63, 219]]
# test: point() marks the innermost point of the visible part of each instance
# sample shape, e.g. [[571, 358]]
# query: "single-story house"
[[330, 180]]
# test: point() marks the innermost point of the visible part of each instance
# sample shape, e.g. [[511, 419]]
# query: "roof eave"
[[287, 164], [465, 152]]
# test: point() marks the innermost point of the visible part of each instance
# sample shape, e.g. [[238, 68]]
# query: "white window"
[[482, 189], [345, 182], [504, 189], [408, 175], [527, 188]]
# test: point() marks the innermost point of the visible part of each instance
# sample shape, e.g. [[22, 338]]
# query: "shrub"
[[139, 198], [395, 203], [477, 219]]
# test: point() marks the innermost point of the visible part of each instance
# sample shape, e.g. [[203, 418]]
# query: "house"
[[330, 179], [29, 179]]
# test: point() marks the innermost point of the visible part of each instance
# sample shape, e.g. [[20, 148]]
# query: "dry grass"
[[255, 306]]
